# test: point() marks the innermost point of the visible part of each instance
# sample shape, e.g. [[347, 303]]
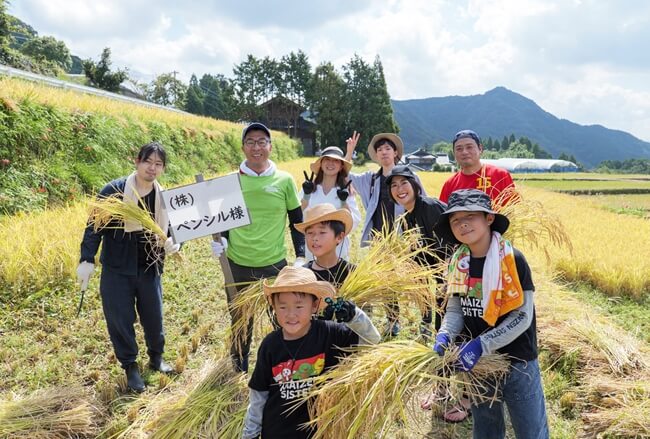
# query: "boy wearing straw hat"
[[131, 271], [490, 303], [329, 183], [290, 357], [324, 228]]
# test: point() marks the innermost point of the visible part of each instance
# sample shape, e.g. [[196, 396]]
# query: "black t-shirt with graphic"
[[523, 347], [335, 275], [286, 369]]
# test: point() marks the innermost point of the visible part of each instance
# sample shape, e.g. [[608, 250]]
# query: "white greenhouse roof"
[[534, 165]]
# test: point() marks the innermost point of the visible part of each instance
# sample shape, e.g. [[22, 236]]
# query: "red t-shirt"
[[490, 179]]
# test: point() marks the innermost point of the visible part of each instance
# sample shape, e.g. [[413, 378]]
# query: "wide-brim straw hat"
[[324, 212], [468, 200], [299, 280], [333, 152], [390, 136]]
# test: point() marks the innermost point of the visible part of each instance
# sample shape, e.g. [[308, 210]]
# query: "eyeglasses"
[[262, 143]]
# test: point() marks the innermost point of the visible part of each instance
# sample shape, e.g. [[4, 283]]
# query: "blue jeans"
[[522, 393]]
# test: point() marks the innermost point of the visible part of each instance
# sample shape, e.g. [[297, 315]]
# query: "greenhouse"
[[533, 165]]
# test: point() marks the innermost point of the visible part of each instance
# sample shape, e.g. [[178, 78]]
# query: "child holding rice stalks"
[[131, 265], [325, 227], [289, 358], [490, 300]]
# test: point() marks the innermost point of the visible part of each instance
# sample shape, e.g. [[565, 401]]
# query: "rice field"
[[44, 346]]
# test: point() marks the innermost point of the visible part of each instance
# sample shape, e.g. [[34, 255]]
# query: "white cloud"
[[581, 60]]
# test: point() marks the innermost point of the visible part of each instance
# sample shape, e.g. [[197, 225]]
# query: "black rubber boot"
[[133, 378]]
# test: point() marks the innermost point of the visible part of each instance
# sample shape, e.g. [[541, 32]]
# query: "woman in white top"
[[329, 184]]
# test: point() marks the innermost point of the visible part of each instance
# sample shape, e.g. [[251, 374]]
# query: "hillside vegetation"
[[56, 145]]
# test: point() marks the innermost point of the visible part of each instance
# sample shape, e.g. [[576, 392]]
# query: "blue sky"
[[582, 60]]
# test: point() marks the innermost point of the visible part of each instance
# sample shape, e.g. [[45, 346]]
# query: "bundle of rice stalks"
[[53, 413], [370, 390], [530, 222], [602, 391], [214, 408], [111, 212], [250, 303], [620, 350], [625, 420], [390, 271]]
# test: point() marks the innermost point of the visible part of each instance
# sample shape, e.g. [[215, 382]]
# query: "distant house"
[[420, 159], [283, 114], [533, 165]]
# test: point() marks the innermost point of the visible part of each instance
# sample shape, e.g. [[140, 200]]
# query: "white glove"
[[84, 272], [218, 247], [299, 262], [170, 247]]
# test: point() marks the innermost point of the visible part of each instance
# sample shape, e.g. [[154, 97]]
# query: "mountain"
[[500, 112]]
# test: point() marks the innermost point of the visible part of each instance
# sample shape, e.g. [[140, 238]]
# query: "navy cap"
[[255, 126], [464, 134]]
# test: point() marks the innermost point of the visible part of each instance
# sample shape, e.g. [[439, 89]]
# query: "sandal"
[[458, 413]]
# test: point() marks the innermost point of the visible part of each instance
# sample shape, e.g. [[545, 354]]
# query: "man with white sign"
[[258, 250]]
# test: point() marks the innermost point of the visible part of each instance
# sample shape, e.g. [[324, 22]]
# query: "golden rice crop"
[[370, 390], [214, 408], [40, 247], [53, 413]]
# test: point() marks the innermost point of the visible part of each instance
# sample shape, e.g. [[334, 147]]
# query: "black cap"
[[255, 126], [468, 200], [464, 134], [402, 171]]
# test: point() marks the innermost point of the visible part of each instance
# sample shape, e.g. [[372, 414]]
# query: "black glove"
[[344, 310], [308, 185], [328, 312], [343, 193]]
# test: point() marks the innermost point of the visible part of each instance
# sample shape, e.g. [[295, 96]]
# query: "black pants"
[[121, 296], [240, 275]]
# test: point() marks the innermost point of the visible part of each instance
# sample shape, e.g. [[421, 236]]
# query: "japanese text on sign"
[[205, 208]]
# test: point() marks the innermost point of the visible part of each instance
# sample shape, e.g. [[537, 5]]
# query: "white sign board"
[[204, 208]]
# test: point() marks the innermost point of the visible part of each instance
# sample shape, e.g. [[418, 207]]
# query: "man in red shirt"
[[473, 174]]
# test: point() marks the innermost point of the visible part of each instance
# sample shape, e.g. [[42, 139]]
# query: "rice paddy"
[[595, 373]]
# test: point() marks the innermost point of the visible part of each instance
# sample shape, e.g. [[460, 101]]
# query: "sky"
[[581, 60]]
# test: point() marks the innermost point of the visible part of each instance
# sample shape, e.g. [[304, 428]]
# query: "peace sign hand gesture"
[[351, 143], [308, 185], [344, 193]]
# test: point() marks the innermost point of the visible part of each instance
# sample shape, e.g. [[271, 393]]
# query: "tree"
[[167, 90], [366, 99], [219, 97], [4, 31], [325, 98], [249, 88], [100, 74], [295, 74], [194, 101], [50, 49]]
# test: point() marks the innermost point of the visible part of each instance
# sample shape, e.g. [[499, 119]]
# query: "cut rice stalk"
[[369, 390], [53, 413]]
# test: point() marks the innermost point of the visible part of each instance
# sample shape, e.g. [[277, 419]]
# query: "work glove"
[[299, 262], [344, 193], [84, 272], [219, 246], [170, 247], [343, 310], [308, 186], [469, 354], [442, 343]]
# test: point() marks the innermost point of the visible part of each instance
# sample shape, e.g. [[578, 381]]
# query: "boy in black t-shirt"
[[289, 358], [490, 302], [324, 228]]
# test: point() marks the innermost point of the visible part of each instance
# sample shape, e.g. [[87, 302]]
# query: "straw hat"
[[299, 280], [324, 212], [390, 136], [332, 152]]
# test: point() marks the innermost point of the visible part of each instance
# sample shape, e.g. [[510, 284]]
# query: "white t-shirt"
[[319, 197]]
